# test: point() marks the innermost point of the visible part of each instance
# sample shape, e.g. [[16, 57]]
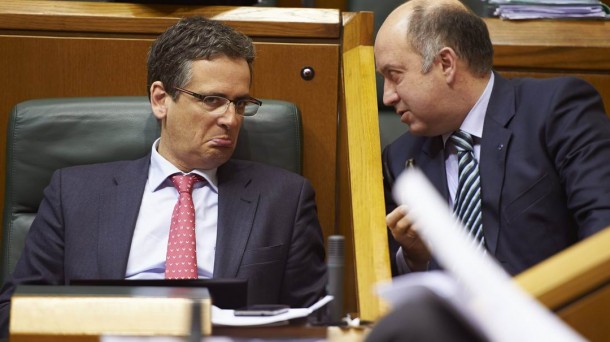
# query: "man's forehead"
[[393, 57]]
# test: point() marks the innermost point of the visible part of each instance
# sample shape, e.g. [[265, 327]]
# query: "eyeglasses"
[[218, 105]]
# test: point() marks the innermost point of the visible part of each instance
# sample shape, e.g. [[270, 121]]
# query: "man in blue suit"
[[542, 147], [252, 221]]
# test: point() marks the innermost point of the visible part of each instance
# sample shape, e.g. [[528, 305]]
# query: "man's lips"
[[403, 116], [222, 141]]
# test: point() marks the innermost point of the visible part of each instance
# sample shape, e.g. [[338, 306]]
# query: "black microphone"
[[195, 335], [335, 277]]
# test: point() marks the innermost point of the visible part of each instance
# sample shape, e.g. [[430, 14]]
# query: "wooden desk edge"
[[571, 273], [74, 16]]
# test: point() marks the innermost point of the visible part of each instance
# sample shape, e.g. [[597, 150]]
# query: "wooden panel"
[[293, 332], [53, 67], [339, 4], [549, 33], [589, 316], [362, 213], [74, 16], [360, 32], [552, 57], [318, 102]]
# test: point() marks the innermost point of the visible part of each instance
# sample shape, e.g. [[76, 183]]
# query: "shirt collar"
[[473, 123], [161, 169]]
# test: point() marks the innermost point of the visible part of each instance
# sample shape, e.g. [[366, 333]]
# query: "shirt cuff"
[[401, 263]]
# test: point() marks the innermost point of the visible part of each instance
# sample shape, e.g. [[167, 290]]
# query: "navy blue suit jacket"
[[544, 166], [268, 230]]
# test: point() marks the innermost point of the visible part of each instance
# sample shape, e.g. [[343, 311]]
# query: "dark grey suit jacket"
[[544, 166], [268, 230]]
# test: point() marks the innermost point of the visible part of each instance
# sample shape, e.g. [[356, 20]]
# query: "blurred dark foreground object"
[[424, 317]]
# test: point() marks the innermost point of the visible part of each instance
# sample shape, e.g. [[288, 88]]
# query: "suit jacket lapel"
[[119, 207], [494, 145], [237, 203], [432, 163]]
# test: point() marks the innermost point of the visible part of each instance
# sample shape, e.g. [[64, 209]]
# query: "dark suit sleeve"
[[389, 176], [578, 138], [42, 259], [305, 276]]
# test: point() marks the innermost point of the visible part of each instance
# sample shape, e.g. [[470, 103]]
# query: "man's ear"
[[448, 61], [158, 100]]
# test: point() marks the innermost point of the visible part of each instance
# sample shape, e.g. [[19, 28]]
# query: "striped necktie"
[[468, 198]]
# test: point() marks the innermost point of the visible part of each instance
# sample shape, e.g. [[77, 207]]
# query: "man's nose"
[[230, 116], [390, 97]]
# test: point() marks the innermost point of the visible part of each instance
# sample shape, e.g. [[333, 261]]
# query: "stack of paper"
[[550, 9]]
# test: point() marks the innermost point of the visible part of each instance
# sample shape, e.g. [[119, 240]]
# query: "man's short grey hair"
[[432, 27], [191, 39]]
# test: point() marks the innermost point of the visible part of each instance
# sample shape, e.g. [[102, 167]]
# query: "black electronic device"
[[262, 310], [226, 293]]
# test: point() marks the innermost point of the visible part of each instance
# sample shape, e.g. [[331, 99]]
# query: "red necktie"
[[181, 259]]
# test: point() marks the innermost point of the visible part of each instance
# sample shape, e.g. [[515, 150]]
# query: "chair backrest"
[[48, 134]]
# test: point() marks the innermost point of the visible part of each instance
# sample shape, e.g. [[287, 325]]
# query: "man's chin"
[[211, 159], [219, 158], [416, 129]]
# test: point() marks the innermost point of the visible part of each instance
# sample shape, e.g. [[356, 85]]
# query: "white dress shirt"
[[473, 125], [149, 244]]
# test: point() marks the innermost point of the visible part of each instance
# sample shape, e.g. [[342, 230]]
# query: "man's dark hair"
[[434, 26], [192, 39]]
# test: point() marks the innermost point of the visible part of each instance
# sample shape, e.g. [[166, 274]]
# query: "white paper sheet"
[[225, 317]]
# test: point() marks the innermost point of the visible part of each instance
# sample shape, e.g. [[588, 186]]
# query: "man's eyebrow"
[[237, 98], [386, 68], [242, 97]]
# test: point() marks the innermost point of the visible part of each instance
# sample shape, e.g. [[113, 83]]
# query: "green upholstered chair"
[[48, 134]]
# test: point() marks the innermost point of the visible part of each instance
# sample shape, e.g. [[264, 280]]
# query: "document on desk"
[[549, 9], [225, 317], [480, 288]]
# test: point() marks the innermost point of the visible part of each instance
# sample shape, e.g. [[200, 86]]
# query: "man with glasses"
[[251, 221]]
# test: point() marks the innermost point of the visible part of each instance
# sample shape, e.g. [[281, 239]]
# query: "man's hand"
[[415, 252]]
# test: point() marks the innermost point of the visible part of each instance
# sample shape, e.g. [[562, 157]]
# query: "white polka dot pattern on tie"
[[181, 258]]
